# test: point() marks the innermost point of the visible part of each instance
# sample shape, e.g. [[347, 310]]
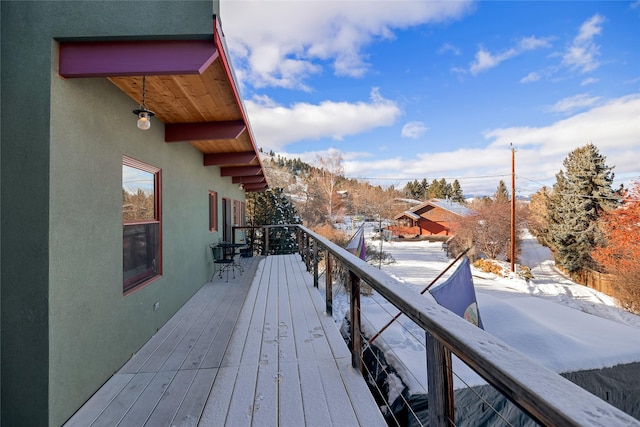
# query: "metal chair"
[[220, 262]]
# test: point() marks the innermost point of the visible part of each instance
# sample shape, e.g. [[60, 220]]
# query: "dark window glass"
[[141, 217]]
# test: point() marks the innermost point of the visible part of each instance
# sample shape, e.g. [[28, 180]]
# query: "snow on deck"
[[257, 350]]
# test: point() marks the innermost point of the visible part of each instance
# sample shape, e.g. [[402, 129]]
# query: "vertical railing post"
[[328, 283], [307, 251], [440, 383], [316, 258], [300, 246], [265, 231], [356, 337]]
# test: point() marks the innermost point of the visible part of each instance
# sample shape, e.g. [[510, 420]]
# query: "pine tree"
[[273, 207], [435, 190], [424, 187], [413, 190], [580, 195], [457, 195], [501, 194]]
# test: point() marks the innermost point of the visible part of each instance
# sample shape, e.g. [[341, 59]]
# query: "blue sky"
[[440, 89]]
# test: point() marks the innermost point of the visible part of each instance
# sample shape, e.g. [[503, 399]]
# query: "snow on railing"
[[545, 396]]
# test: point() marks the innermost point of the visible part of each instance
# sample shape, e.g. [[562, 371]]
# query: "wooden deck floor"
[[255, 351]]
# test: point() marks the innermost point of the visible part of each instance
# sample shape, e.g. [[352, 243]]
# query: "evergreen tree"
[[273, 207], [424, 187], [581, 194], [456, 194], [435, 190], [501, 194], [414, 190]]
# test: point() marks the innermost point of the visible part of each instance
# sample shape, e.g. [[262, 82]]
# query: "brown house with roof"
[[435, 217]]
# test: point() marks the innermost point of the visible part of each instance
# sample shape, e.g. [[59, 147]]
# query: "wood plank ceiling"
[[201, 108]]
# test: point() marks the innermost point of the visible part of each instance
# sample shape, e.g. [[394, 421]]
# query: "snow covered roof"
[[448, 205], [409, 214]]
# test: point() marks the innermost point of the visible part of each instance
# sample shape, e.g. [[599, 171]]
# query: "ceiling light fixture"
[[144, 115]]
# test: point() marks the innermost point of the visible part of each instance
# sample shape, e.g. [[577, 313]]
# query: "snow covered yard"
[[562, 325]]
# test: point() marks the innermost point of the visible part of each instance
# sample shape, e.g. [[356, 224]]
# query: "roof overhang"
[[407, 214], [190, 86]]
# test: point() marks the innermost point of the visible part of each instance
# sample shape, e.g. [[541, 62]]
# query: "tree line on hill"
[[438, 189]]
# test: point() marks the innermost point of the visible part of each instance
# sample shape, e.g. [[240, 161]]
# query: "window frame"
[[213, 210], [133, 284]]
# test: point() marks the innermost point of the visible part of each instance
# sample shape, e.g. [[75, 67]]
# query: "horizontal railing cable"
[[544, 395]]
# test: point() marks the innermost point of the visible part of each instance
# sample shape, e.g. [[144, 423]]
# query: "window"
[[141, 218], [213, 211]]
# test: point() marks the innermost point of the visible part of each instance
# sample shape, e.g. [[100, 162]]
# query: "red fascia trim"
[[135, 57], [218, 38], [240, 171], [203, 131], [212, 159]]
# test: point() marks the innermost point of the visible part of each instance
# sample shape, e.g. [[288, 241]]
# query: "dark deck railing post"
[[549, 399], [307, 251], [356, 337], [266, 240], [316, 258], [328, 283], [440, 383]]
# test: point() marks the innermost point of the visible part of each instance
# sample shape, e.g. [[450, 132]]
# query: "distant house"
[[105, 225], [435, 217]]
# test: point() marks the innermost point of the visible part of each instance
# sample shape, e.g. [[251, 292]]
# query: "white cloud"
[[583, 52], [588, 81], [531, 77], [573, 103], [282, 43], [612, 127], [448, 47], [275, 126], [485, 60], [414, 130]]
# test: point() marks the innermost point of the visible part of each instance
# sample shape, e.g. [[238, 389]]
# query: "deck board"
[[258, 350]]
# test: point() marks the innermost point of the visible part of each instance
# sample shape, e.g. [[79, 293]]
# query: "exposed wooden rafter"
[[240, 171], [203, 131], [221, 159], [113, 58], [190, 86], [248, 179], [255, 187]]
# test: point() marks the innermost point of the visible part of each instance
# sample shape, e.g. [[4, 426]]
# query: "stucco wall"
[[65, 323]]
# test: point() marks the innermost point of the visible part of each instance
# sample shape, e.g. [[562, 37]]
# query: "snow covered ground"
[[560, 324]]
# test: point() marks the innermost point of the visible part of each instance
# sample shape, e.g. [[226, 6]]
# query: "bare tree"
[[329, 170], [488, 230]]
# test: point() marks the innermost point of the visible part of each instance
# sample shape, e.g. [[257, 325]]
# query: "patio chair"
[[220, 262]]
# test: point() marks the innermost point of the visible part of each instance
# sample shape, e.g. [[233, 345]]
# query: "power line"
[[413, 179]]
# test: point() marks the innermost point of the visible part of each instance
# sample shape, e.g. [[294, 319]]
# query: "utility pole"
[[513, 209]]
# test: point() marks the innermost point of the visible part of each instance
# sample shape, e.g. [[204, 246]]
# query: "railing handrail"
[[545, 395]]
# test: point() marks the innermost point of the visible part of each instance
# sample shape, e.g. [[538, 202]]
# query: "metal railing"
[[545, 396]]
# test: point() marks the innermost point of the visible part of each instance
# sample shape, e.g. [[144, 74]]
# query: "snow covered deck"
[[240, 353]]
